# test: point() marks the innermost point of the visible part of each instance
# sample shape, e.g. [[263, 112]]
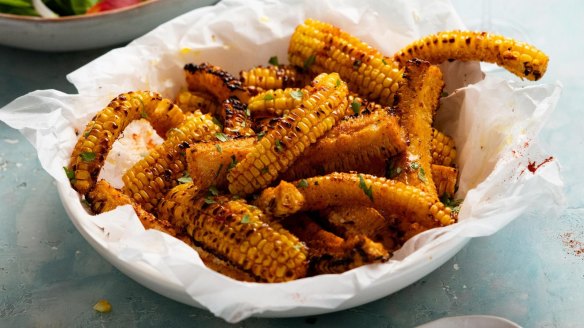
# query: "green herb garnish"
[[302, 183], [219, 170], [219, 149], [422, 175], [186, 178], [450, 202], [415, 165], [233, 163], [444, 94], [383, 61], [260, 135], [279, 146], [356, 64], [309, 62], [245, 219], [356, 107], [297, 94], [69, 173], [87, 156], [216, 121], [221, 136], [269, 96], [367, 190], [274, 61]]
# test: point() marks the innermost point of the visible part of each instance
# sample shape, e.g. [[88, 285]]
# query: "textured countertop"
[[531, 272]]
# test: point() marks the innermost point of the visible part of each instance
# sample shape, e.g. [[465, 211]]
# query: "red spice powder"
[[532, 166], [575, 247]]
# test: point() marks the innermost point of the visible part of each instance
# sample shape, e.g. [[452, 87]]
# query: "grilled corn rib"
[[272, 103], [236, 121], [209, 162], [414, 210], [417, 99], [274, 77], [214, 80], [349, 221], [237, 232], [150, 178], [324, 105], [106, 126], [445, 178], [519, 58], [104, 198], [349, 145], [330, 253], [443, 149], [320, 47], [190, 101]]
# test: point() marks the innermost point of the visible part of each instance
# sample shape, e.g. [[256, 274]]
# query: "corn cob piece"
[[215, 81], [443, 149], [237, 232], [349, 221], [519, 58], [350, 145], [324, 106], [413, 209], [149, 179], [190, 101], [209, 162], [418, 99], [274, 77], [330, 253], [104, 198], [272, 103], [236, 122], [106, 126], [445, 178], [320, 47]]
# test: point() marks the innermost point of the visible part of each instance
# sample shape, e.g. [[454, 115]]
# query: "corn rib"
[[274, 77]]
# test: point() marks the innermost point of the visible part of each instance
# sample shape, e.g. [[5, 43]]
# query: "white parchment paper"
[[503, 172]]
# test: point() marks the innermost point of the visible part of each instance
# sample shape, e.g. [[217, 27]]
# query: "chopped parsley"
[[87, 156], [391, 171], [210, 200], [356, 107], [261, 134], [357, 63], [143, 114], [219, 170], [247, 111], [213, 191], [221, 136], [422, 175], [264, 170], [367, 190], [309, 62], [216, 121], [453, 204], [297, 94], [279, 146], [69, 173], [383, 61], [274, 61], [302, 183], [338, 83], [297, 246], [233, 163], [86, 134], [269, 96], [245, 218], [219, 149], [415, 165], [186, 178]]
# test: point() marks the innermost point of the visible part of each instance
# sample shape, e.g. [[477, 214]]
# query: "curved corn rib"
[[237, 232], [320, 47], [324, 106], [349, 145], [214, 80], [443, 149], [417, 100], [277, 102], [330, 253], [190, 101], [445, 178], [104, 198], [209, 162], [236, 122], [519, 58], [106, 126], [413, 209], [149, 179], [274, 77]]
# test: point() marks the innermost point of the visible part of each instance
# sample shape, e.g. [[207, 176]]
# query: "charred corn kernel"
[[330, 253], [209, 162], [519, 58], [106, 126], [418, 98], [149, 179], [349, 221], [275, 102], [214, 80], [350, 145], [413, 209], [236, 122], [443, 149], [190, 101], [445, 178], [325, 103], [104, 198], [320, 47], [220, 224], [274, 77]]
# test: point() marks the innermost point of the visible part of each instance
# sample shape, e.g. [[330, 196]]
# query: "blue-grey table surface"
[[528, 272]]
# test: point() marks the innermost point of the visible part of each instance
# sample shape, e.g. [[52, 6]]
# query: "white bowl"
[[91, 31]]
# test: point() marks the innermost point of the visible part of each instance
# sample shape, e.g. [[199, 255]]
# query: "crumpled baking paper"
[[504, 174]]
